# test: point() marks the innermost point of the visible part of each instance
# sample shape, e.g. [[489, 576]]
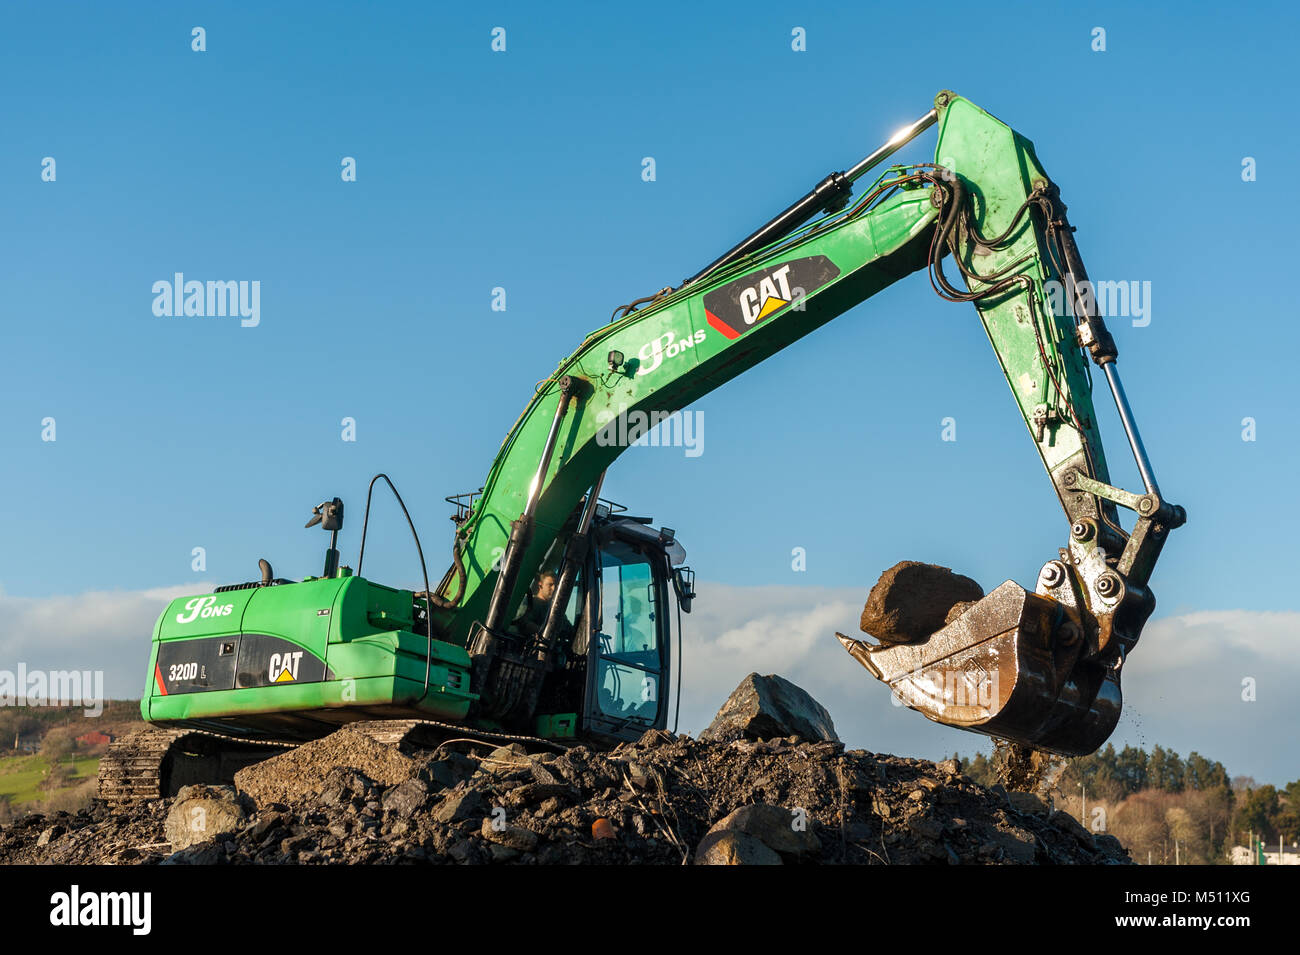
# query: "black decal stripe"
[[722, 305]]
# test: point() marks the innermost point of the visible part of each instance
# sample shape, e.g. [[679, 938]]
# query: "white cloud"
[[98, 630], [1183, 688]]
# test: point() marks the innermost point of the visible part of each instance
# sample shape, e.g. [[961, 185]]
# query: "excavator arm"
[[1041, 668]]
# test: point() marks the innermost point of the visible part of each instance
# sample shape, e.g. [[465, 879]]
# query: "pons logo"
[[203, 607], [667, 345]]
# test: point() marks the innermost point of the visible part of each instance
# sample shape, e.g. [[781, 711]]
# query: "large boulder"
[[912, 600], [758, 834], [770, 707], [202, 813]]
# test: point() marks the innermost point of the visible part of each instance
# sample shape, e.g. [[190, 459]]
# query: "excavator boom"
[[1041, 668]]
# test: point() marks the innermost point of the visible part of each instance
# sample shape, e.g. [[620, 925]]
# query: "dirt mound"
[[733, 800], [662, 800], [298, 773]]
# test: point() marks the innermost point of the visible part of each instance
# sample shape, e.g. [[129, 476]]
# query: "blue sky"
[[523, 170]]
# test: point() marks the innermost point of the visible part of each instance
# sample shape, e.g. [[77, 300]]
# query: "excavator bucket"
[[1010, 666]]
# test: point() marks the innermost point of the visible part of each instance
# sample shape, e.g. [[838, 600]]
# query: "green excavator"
[[554, 623]]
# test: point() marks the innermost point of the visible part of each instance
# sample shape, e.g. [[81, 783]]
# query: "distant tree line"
[[1113, 776], [19, 721], [1268, 812], [1160, 797]]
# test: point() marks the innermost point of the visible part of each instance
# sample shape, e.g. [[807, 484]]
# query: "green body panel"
[[557, 726], [375, 697], [202, 615], [359, 631], [871, 251]]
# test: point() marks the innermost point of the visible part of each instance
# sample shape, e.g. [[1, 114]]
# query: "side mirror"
[[329, 514], [684, 585]]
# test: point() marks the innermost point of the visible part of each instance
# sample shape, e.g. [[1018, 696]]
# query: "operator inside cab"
[[532, 613]]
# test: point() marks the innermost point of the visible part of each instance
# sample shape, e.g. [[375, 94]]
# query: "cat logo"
[[738, 306], [771, 293], [284, 667]]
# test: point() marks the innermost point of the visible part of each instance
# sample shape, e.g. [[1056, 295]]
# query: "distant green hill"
[[21, 777], [42, 766]]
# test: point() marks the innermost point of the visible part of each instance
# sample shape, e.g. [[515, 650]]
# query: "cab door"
[[628, 653]]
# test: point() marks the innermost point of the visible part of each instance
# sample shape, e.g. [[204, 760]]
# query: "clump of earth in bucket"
[[912, 600]]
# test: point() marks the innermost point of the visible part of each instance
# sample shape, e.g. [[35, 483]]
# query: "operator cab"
[[612, 679]]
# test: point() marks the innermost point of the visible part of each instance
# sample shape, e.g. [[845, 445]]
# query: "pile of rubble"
[[767, 783]]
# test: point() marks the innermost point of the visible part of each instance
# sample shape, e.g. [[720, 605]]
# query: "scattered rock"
[[734, 848], [405, 798], [790, 796], [449, 770], [1013, 845], [784, 831], [205, 853], [926, 828], [513, 837], [503, 853], [652, 738], [1108, 844], [506, 759], [464, 852], [461, 804], [1067, 823]]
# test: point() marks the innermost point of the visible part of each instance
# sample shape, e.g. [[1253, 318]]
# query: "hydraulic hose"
[[424, 569]]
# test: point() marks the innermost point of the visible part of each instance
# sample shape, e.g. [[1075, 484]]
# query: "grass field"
[[20, 776]]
